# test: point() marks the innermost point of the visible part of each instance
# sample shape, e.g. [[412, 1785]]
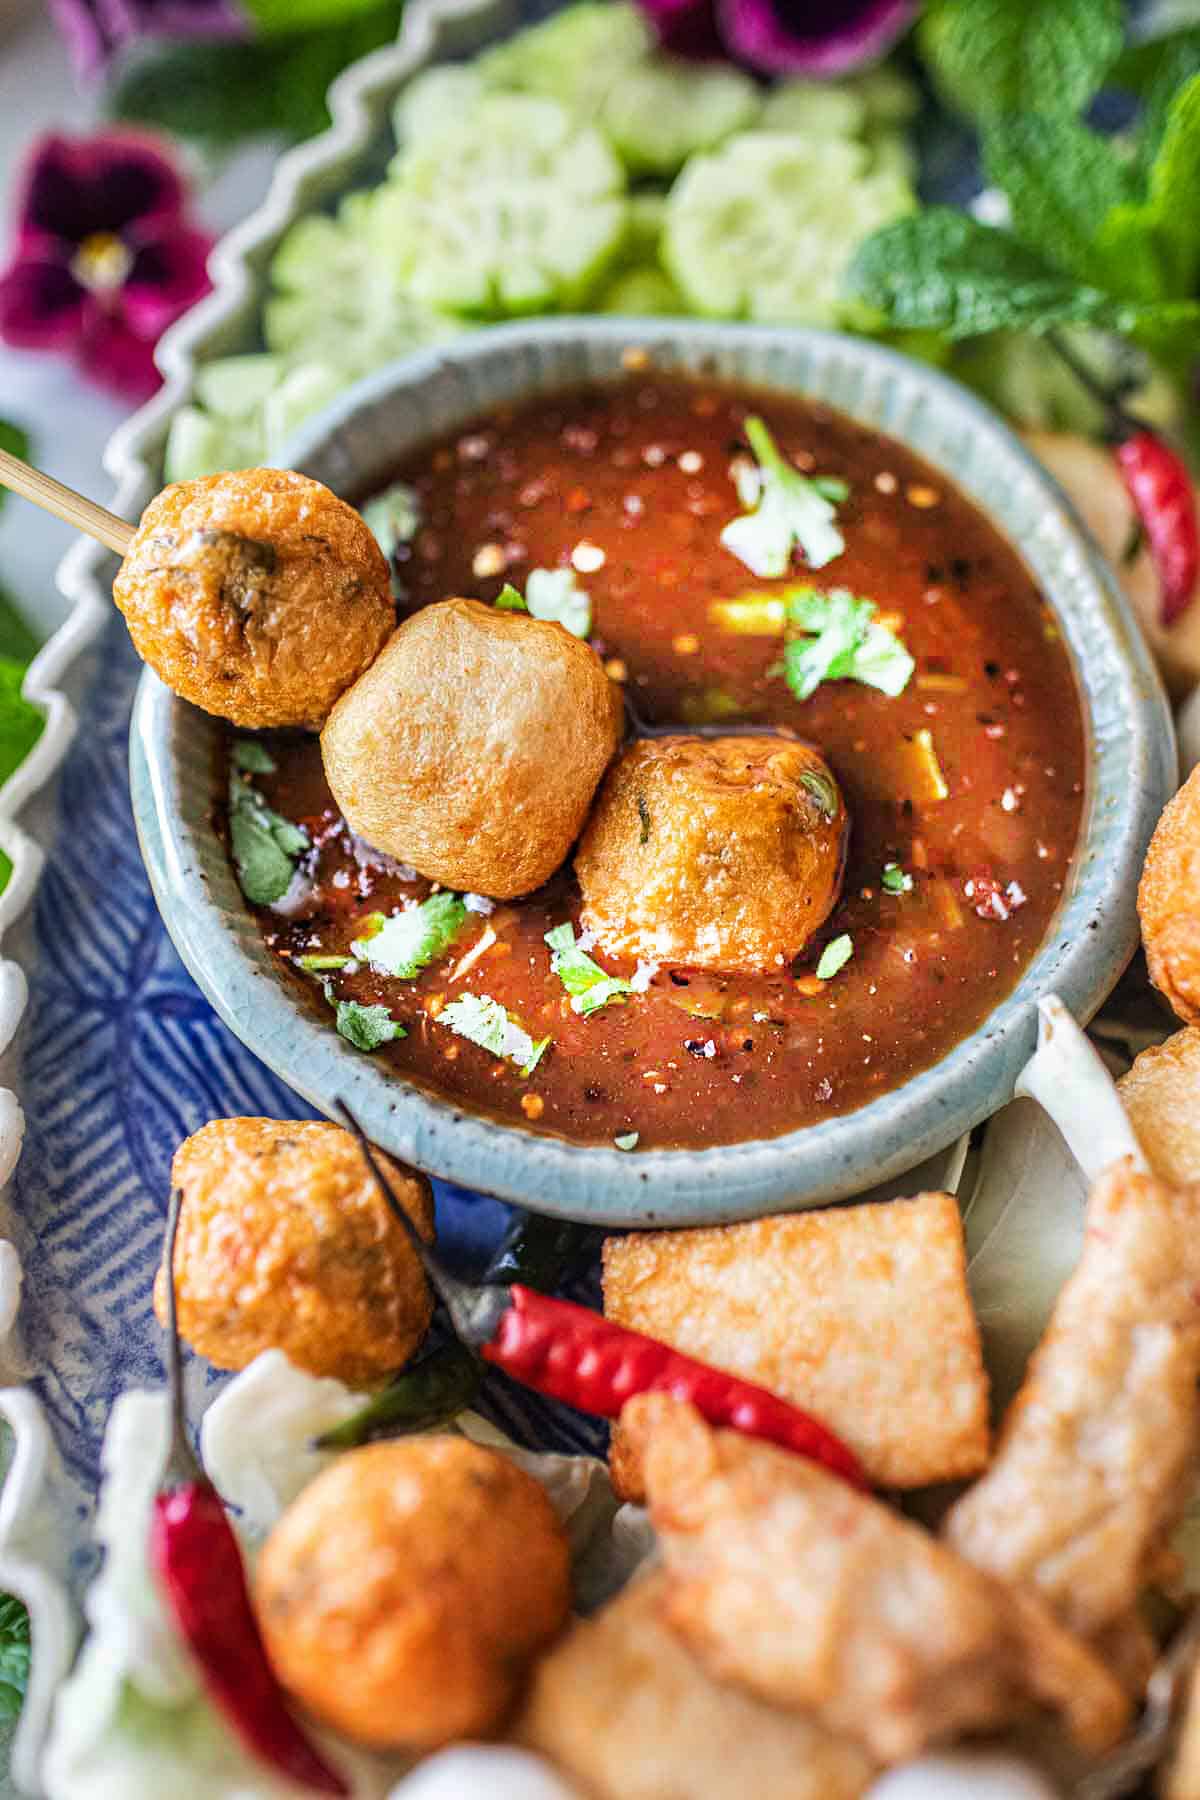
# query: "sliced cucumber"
[[304, 391], [817, 108], [516, 209], [434, 99], [645, 293], [662, 111], [765, 227], [234, 387], [574, 57], [200, 444]]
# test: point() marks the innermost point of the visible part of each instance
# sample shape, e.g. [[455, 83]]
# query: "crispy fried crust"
[[1181, 1779], [1169, 902], [405, 1591], [817, 1597], [628, 1713], [1161, 1094], [861, 1314], [472, 747], [259, 595], [1097, 1456], [286, 1242], [719, 853]]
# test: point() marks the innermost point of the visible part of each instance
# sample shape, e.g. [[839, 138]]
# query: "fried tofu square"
[[859, 1314], [816, 1597], [628, 1713]]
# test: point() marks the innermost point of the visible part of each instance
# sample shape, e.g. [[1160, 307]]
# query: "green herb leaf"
[[942, 271], [835, 956], [15, 439], [556, 595], [304, 15], [14, 1655], [590, 986], [366, 1027], [627, 1140], [1171, 212], [1155, 71], [786, 512], [894, 880], [20, 723], [509, 599], [409, 941], [265, 845], [846, 644], [253, 758], [320, 965], [18, 640], [393, 517], [1010, 56], [483, 1021]]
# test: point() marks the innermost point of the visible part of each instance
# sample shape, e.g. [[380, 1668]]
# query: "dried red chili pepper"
[[1160, 486], [577, 1356], [197, 1558]]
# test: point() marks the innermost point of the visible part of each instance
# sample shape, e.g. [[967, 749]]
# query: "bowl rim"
[[1130, 748]]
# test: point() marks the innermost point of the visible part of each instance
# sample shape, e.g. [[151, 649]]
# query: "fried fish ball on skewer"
[[1161, 1094], [259, 596], [1169, 902], [817, 1597], [433, 1570], [285, 1242], [472, 747], [716, 853]]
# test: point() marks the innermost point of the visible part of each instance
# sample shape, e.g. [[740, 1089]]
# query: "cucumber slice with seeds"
[[515, 209], [663, 111], [435, 99], [764, 228], [198, 444], [234, 387], [575, 57], [818, 109], [301, 393]]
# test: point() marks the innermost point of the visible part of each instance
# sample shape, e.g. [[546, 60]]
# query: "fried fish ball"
[[426, 1573], [716, 853], [285, 1242], [1169, 902], [259, 596], [1161, 1094], [472, 747]]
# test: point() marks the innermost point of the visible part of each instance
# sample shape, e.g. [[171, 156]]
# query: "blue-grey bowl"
[[1131, 769]]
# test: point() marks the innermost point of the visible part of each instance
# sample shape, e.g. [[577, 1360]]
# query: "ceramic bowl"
[[1130, 774]]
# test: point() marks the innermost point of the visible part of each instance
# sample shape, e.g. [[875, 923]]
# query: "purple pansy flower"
[[98, 29], [818, 38], [105, 258]]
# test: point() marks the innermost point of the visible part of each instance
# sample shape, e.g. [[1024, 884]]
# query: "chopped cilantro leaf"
[[265, 846], [785, 511], [366, 1027], [483, 1021], [835, 956], [844, 643], [510, 600], [408, 941], [628, 1140], [14, 1655], [589, 986], [553, 595], [894, 880], [253, 758]]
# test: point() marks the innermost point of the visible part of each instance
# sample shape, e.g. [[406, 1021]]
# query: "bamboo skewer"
[[55, 497]]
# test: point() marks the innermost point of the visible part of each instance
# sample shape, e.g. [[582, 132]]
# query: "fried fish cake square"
[[860, 1314]]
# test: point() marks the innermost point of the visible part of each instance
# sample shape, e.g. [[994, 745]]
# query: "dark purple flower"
[[818, 38], [98, 29], [104, 257]]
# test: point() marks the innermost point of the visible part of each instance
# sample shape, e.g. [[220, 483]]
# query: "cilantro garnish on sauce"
[[551, 594], [835, 956], [785, 511], [841, 642], [366, 1027], [589, 986], [894, 880], [265, 845], [408, 941], [483, 1021]]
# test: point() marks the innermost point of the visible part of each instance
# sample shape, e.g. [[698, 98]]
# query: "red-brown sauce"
[[638, 475]]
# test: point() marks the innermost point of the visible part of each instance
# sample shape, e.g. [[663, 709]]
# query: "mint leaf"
[[483, 1021], [845, 644], [254, 758], [265, 846], [990, 57], [14, 1655], [1155, 71], [366, 1027], [835, 956], [1172, 210], [943, 271], [590, 986], [786, 512], [554, 594], [408, 941]]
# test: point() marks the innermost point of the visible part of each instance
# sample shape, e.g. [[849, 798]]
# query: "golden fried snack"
[[1097, 1456], [1092, 480], [859, 1314], [1181, 1778], [628, 1713], [472, 747], [718, 853], [285, 1242], [817, 1597], [259, 596], [404, 1593], [1169, 902], [1161, 1094]]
